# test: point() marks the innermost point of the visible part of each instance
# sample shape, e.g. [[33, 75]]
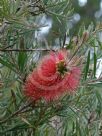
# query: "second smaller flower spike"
[[54, 76]]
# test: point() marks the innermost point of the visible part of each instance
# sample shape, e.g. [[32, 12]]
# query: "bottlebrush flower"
[[54, 76]]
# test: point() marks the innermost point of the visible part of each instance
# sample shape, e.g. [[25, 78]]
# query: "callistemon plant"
[[55, 75], [50, 68]]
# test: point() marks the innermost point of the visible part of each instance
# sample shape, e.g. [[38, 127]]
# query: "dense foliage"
[[23, 41]]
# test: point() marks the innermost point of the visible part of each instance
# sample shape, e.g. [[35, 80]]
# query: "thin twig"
[[25, 50], [17, 112], [95, 80], [64, 40]]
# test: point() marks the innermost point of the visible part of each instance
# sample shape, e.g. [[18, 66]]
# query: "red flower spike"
[[53, 77]]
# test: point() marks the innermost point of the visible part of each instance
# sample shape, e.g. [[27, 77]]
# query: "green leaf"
[[22, 57], [78, 130], [87, 65], [95, 62], [97, 84]]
